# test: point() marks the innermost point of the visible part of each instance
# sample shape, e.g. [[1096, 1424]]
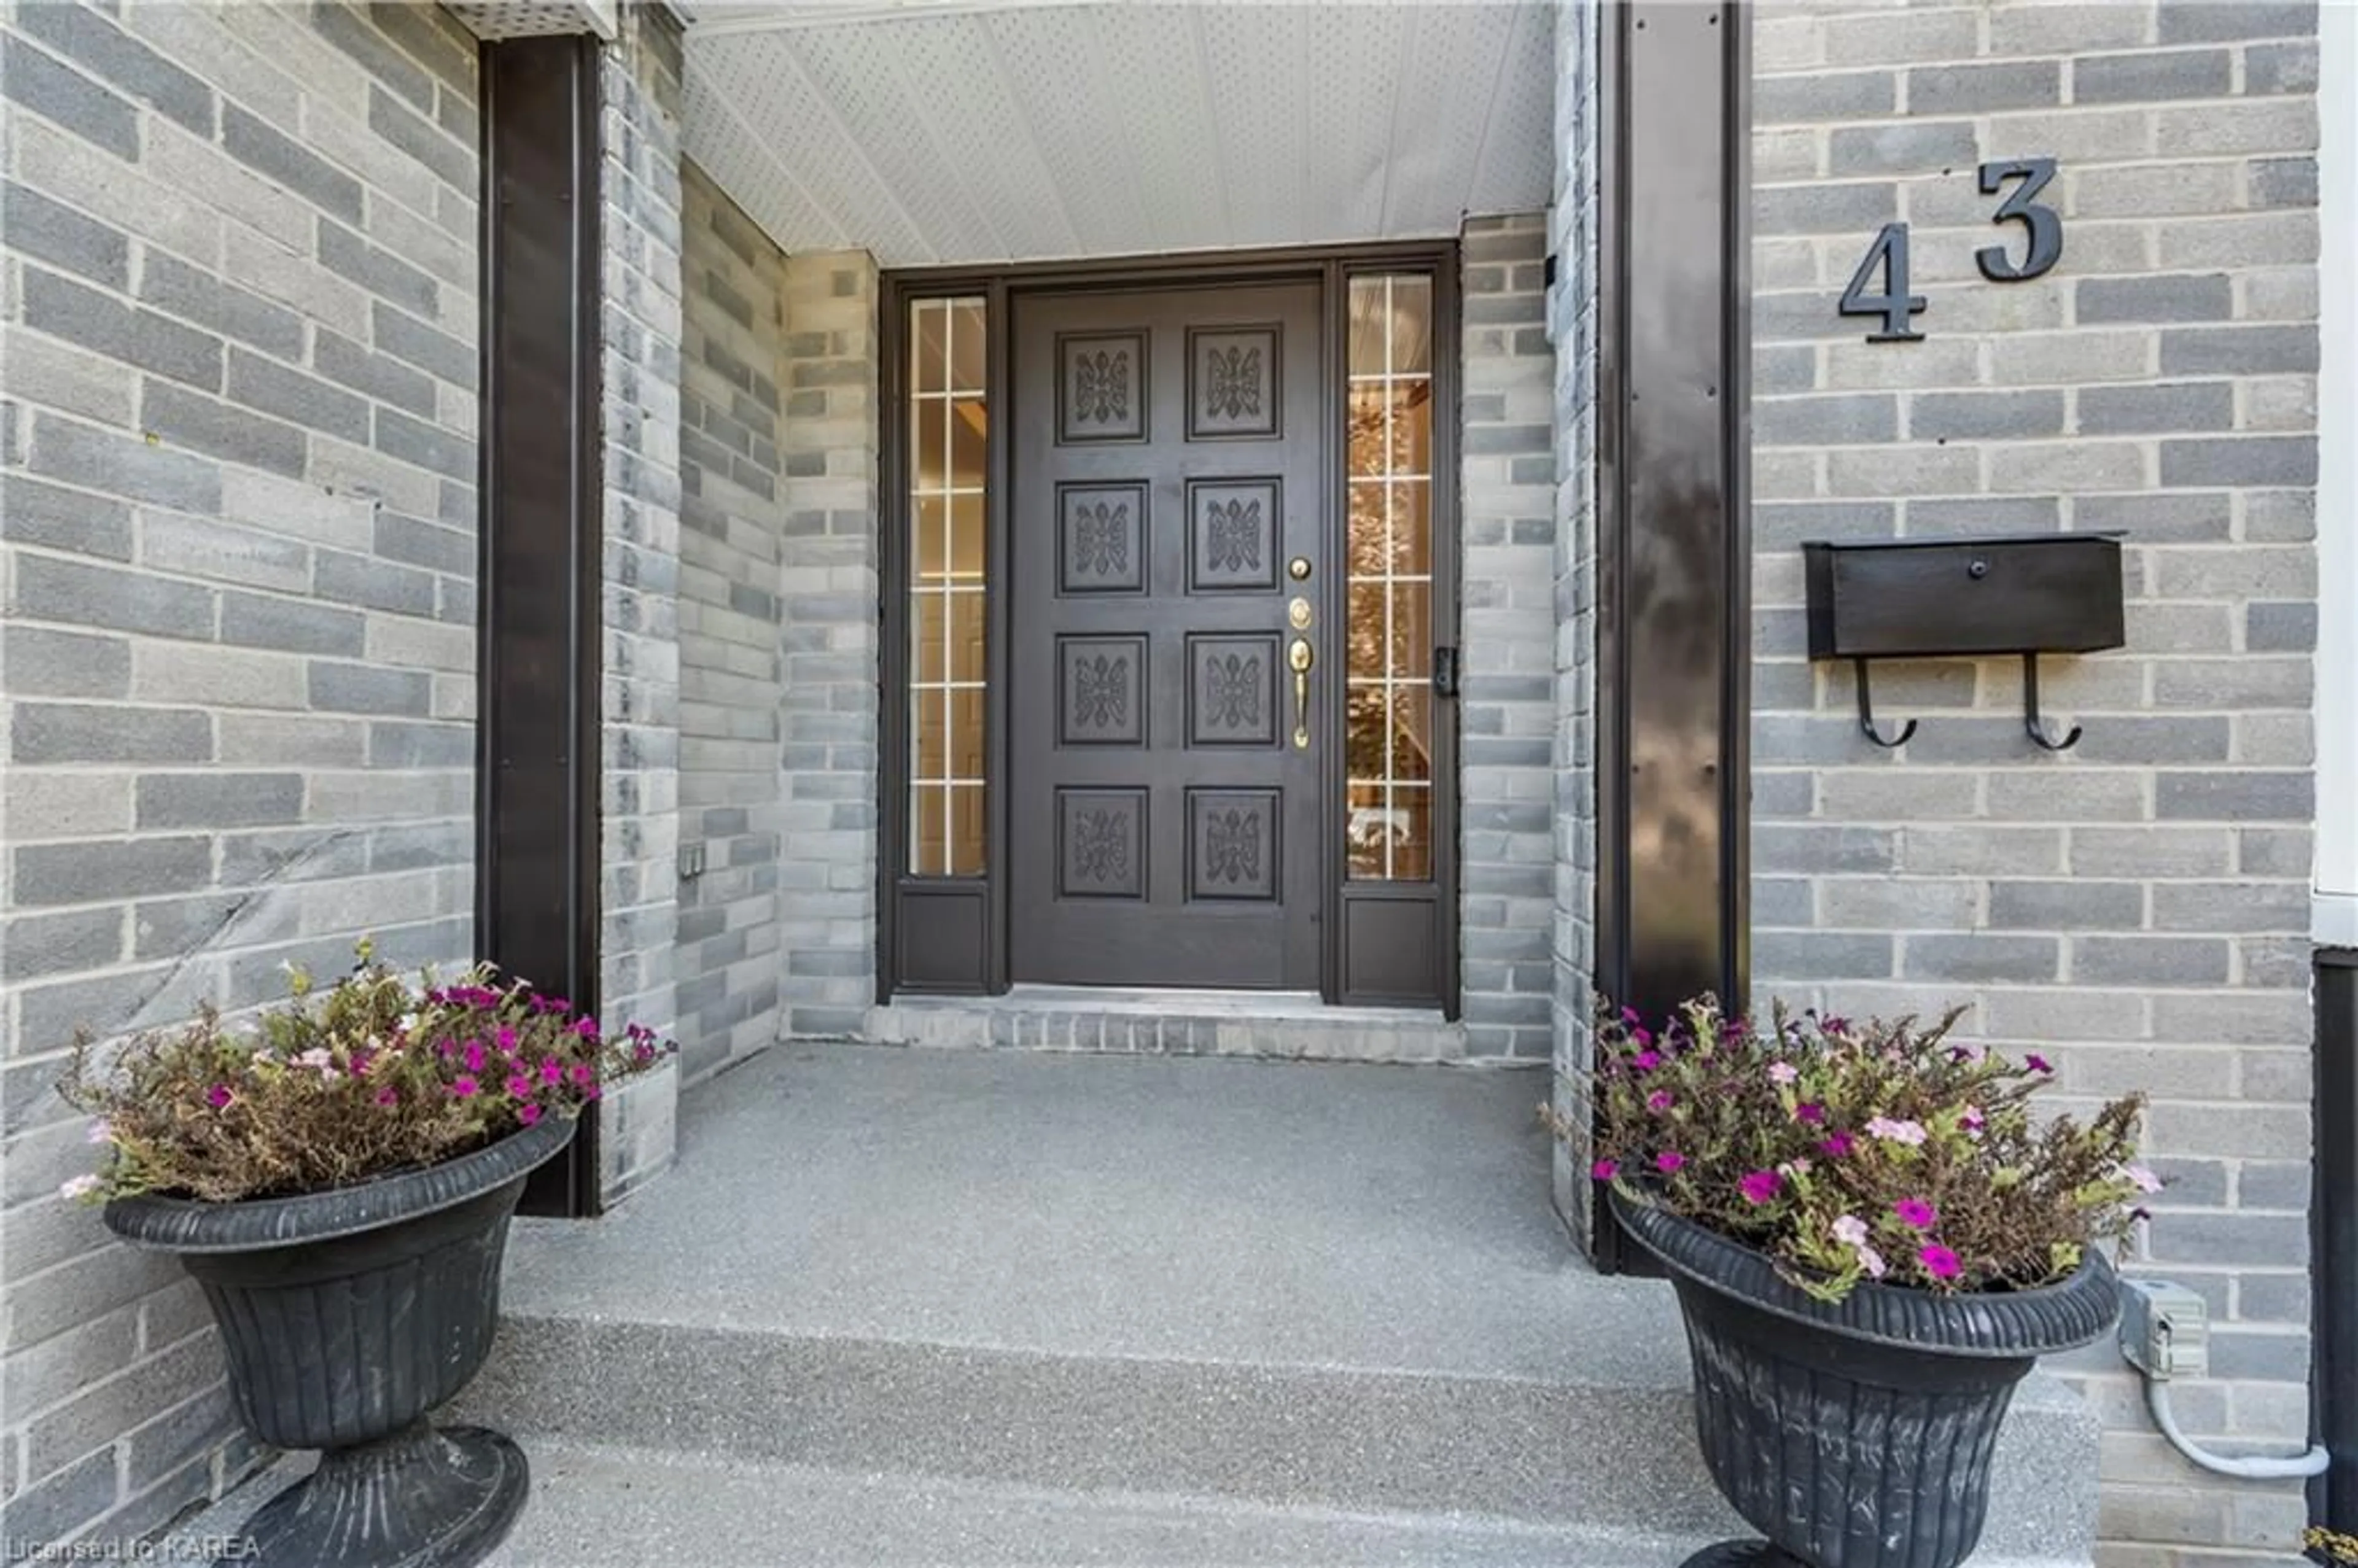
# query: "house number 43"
[[1887, 256]]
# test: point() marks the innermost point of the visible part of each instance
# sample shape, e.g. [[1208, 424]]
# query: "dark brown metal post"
[[1674, 553], [2333, 1400], [537, 725]]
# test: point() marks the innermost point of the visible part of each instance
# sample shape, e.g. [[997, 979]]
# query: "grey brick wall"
[[1506, 713], [237, 547], [732, 522], [1573, 326], [639, 95], [828, 593], [2136, 908]]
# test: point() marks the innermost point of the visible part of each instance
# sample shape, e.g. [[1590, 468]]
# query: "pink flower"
[[1916, 1214], [2144, 1181], [2037, 1062], [1670, 1161], [1761, 1186], [386, 1096], [100, 1131], [1971, 1119], [584, 1074], [1908, 1133], [1647, 1060], [1784, 1072], [217, 1097], [464, 1086], [77, 1187], [507, 1038], [528, 1115], [1661, 1101], [1605, 1170], [474, 1055], [520, 1085], [1811, 1113], [1837, 1146], [586, 1027], [1939, 1261], [551, 1071]]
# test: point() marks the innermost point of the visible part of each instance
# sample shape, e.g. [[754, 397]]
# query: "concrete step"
[[1267, 1024], [1333, 1291], [603, 1506]]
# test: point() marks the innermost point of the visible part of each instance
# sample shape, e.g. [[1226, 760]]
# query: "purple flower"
[[528, 1115], [520, 1085], [464, 1086], [1629, 1016], [1661, 1101], [1647, 1060], [583, 1072], [1670, 1161], [1810, 1111], [474, 1055], [1642, 1036], [386, 1096], [1939, 1261], [586, 1027], [2037, 1064], [1835, 1147], [507, 1037], [1915, 1212], [1605, 1170], [1761, 1186], [217, 1097], [551, 1071]]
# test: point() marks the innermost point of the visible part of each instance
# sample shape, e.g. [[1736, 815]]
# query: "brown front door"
[[1167, 506]]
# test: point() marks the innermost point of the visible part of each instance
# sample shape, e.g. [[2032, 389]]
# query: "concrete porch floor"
[[901, 1306]]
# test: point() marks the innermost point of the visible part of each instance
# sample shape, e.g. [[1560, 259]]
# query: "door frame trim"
[[984, 901]]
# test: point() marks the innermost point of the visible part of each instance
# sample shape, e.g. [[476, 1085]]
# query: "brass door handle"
[[1301, 658]]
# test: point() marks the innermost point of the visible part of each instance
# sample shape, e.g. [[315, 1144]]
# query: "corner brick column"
[[639, 130]]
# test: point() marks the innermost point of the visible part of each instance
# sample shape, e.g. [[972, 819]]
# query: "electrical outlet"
[[691, 860], [2164, 1329]]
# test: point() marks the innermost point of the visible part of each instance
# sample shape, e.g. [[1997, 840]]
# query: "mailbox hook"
[[1867, 714], [2031, 723]]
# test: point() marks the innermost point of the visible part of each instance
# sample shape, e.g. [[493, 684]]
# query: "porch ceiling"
[[936, 131]]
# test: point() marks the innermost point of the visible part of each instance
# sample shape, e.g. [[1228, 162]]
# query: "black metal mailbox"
[[2026, 594]]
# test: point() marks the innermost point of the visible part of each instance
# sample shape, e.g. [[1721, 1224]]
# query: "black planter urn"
[[1854, 1434], [347, 1316]]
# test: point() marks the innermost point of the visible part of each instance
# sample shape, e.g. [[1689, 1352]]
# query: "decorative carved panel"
[[1232, 536], [1101, 691], [1101, 538], [1101, 387], [1233, 694], [1232, 844], [1232, 382], [1101, 843]]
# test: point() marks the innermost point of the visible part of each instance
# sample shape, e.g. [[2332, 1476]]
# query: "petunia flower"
[[1669, 1161], [520, 1085], [583, 1072], [1850, 1230], [1939, 1261], [1908, 1133], [217, 1097], [100, 1131], [1605, 1170], [386, 1096], [2037, 1062], [474, 1055], [528, 1115], [1835, 1147], [1872, 1262], [551, 1071], [1647, 1060], [464, 1086], [79, 1187], [1916, 1214], [1809, 1111], [1761, 1186], [2143, 1180], [1784, 1072], [1661, 1101]]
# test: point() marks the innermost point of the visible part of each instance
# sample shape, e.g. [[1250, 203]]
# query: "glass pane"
[[948, 555], [1388, 710], [966, 443], [928, 443], [928, 355], [969, 833], [966, 346]]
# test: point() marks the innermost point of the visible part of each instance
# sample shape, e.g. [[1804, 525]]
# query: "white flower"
[[1784, 1072], [2143, 1180], [321, 1060], [79, 1187], [1908, 1133], [100, 1131], [1851, 1230], [1872, 1262]]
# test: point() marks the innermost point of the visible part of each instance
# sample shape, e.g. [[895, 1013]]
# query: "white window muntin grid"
[[946, 587], [1391, 682]]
